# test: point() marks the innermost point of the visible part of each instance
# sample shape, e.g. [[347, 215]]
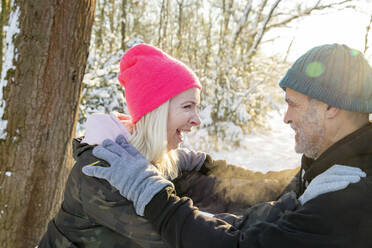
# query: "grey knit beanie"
[[334, 74]]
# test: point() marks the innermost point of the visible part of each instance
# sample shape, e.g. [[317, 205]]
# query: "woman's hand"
[[335, 178], [135, 177]]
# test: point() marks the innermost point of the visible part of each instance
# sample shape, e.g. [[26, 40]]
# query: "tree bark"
[[5, 8], [42, 98]]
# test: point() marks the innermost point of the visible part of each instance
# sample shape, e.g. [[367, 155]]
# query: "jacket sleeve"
[[222, 169], [231, 188], [180, 225]]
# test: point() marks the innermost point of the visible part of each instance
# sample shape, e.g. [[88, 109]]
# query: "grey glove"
[[189, 160], [335, 178], [129, 172]]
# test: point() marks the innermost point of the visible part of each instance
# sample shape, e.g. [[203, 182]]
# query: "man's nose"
[[286, 118]]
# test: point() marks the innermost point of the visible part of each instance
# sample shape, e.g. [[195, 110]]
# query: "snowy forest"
[[60, 62]]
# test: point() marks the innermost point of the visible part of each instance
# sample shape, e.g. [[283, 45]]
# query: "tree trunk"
[[180, 25], [161, 17], [41, 97], [111, 18], [100, 29], [123, 24]]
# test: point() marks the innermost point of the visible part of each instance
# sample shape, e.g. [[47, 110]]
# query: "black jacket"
[[94, 214], [341, 219]]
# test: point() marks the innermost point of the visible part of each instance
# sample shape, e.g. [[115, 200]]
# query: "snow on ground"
[[269, 151]]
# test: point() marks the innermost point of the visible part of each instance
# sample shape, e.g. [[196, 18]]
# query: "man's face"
[[306, 118]]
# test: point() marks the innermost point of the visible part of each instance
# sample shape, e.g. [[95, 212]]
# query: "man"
[[329, 96]]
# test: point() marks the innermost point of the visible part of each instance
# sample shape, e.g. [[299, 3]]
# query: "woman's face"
[[182, 116]]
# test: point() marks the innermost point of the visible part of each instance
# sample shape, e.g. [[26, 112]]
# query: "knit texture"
[[334, 74], [151, 77]]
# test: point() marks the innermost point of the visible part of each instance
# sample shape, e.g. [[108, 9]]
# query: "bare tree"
[[41, 96], [242, 22], [288, 50], [262, 30], [161, 17], [180, 26], [123, 23], [368, 28], [100, 23]]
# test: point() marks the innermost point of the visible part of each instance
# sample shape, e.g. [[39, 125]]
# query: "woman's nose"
[[195, 121]]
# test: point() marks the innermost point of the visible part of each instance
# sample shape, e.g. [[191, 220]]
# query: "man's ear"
[[332, 112]]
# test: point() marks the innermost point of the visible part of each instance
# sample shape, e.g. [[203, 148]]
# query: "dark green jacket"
[[94, 214]]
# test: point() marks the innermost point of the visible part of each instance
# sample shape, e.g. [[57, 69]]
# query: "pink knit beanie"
[[151, 77]]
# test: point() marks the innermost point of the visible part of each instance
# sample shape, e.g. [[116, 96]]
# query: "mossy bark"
[[42, 97]]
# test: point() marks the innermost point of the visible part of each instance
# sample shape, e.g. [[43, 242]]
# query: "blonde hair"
[[150, 138]]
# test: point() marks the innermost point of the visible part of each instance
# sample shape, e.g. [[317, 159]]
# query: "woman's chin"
[[173, 147]]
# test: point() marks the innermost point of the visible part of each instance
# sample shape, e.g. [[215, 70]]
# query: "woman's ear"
[[332, 112]]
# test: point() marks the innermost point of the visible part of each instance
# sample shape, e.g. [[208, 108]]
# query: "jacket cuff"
[[158, 203]]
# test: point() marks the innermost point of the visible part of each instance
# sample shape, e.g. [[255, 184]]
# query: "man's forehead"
[[294, 95]]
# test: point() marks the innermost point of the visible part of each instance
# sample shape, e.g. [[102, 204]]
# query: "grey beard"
[[309, 148]]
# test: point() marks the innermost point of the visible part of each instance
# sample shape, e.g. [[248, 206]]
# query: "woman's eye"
[[187, 106]]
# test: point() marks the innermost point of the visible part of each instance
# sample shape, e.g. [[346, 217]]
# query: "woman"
[[162, 95]]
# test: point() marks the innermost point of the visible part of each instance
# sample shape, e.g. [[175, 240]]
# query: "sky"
[[345, 26]]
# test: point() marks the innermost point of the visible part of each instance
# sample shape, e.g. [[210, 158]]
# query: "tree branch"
[[306, 12], [260, 34], [242, 22], [366, 36]]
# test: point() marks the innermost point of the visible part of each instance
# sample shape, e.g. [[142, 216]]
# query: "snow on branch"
[[260, 34], [242, 22]]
